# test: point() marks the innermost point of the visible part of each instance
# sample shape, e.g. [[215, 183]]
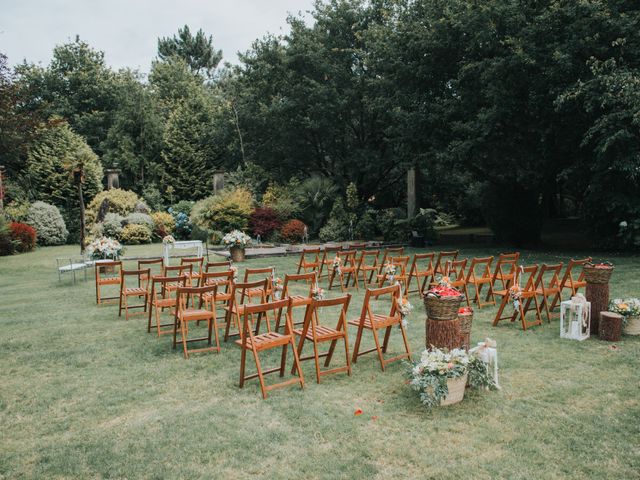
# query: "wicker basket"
[[442, 308], [466, 319], [632, 327], [456, 388], [597, 275]]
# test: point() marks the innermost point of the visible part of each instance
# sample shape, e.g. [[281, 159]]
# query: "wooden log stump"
[[598, 295], [443, 334], [610, 327]]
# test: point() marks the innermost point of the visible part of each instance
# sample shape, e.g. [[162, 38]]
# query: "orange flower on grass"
[[358, 412]]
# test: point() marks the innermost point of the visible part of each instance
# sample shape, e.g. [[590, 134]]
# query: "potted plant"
[[440, 376], [629, 308], [237, 241]]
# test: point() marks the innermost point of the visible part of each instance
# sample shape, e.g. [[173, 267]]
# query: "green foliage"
[[48, 222], [353, 201], [229, 210], [133, 234], [197, 51], [153, 197], [17, 210], [282, 199], [6, 244], [137, 218], [337, 227], [252, 177], [112, 225], [316, 196], [366, 228], [120, 201]]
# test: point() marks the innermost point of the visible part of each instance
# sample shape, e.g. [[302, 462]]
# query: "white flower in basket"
[[104, 248], [629, 308], [236, 238], [168, 240]]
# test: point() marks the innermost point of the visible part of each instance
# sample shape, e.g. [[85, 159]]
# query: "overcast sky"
[[128, 30]]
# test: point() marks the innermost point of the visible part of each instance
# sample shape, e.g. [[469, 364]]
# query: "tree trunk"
[[610, 328], [82, 225]]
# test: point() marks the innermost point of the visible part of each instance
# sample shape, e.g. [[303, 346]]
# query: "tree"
[[197, 51]]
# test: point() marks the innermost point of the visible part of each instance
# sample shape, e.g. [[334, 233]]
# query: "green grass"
[[85, 394]]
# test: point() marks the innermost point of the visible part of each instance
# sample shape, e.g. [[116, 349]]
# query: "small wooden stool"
[[610, 327]]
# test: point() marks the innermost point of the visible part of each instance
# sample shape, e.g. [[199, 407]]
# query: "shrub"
[[137, 218], [282, 200], [293, 231], [229, 210], [142, 207], [366, 227], [119, 201], [263, 222], [183, 206], [112, 225], [153, 197], [17, 211], [388, 224], [48, 222], [133, 234], [23, 236], [163, 224], [337, 227], [316, 195], [6, 245]]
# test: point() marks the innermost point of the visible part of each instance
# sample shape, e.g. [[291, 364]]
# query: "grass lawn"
[[84, 394]]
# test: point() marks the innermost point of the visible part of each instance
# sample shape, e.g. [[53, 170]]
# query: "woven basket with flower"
[[629, 308], [443, 301], [598, 272]]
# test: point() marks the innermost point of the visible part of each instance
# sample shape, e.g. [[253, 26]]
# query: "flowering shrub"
[[429, 375], [104, 248], [112, 225], [293, 231], [133, 234], [163, 224], [23, 236], [48, 222], [228, 210], [168, 240], [138, 218], [264, 221], [119, 201], [236, 238]]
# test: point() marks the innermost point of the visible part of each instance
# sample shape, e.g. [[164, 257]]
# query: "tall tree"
[[197, 50]]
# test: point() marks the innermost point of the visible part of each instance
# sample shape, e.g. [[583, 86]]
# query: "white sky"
[[127, 31]]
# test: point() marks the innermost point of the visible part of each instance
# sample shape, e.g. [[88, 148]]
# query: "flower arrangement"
[[603, 265], [235, 273], [168, 240], [337, 261], [465, 311], [515, 293], [276, 285], [317, 292], [390, 269], [628, 307], [444, 288], [429, 375], [104, 248], [236, 238], [405, 308]]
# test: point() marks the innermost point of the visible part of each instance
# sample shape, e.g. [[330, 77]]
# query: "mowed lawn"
[[85, 394]]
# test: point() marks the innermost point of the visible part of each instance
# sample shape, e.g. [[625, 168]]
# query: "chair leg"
[[296, 361], [405, 340], [283, 358], [317, 360], [243, 360], [260, 376], [356, 347], [377, 342], [183, 334]]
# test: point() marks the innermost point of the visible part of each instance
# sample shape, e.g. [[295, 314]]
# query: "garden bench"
[[73, 265]]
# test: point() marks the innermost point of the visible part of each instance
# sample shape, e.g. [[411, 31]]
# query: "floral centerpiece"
[[235, 273], [237, 241], [443, 301], [629, 308], [440, 376], [168, 240], [317, 292], [337, 262], [404, 308], [104, 248]]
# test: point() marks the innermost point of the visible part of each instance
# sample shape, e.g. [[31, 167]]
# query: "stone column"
[[218, 181], [113, 179], [411, 192]]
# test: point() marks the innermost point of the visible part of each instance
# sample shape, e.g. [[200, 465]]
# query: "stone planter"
[[237, 254]]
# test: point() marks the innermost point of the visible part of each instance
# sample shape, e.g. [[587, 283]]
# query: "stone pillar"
[[113, 179], [411, 192], [218, 181]]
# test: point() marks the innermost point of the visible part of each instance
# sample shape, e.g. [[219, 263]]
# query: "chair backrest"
[[183, 294], [480, 267], [454, 269], [552, 272], [159, 284], [310, 278], [217, 266], [313, 316], [137, 274], [526, 277], [313, 253], [261, 309], [100, 265], [266, 272], [239, 291], [177, 270], [443, 258], [506, 264], [195, 261], [150, 263], [568, 274], [390, 252], [224, 280], [328, 251], [348, 258], [357, 246], [401, 263], [423, 263], [367, 256], [393, 291]]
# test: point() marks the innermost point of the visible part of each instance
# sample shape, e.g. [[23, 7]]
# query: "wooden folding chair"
[[479, 275], [304, 265], [441, 261], [347, 269], [310, 280], [161, 298], [317, 333], [388, 253], [400, 276], [222, 295], [421, 268], [367, 266], [369, 320], [235, 308], [569, 282], [185, 314], [328, 254], [129, 291], [528, 275], [357, 246], [154, 262], [550, 274], [107, 272], [217, 266], [504, 271], [196, 271], [256, 343]]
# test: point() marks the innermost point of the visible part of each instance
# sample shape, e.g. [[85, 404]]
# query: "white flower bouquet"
[[104, 248], [236, 238], [168, 240]]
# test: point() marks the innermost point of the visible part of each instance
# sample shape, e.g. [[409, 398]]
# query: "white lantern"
[[575, 318], [487, 351]]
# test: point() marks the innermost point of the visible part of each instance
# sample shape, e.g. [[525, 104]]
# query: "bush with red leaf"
[[264, 221], [23, 236], [293, 231]]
